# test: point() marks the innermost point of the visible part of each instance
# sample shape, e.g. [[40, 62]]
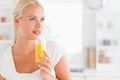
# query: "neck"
[[24, 47]]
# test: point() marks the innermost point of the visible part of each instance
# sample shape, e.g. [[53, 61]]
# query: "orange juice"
[[38, 51]]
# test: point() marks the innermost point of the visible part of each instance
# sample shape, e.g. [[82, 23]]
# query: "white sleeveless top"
[[8, 70]]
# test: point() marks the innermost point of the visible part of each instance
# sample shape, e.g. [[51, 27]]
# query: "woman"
[[18, 61]]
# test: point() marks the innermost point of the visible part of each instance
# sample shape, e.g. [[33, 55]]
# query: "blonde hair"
[[18, 10]]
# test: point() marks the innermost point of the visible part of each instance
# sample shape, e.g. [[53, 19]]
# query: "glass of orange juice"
[[38, 50]]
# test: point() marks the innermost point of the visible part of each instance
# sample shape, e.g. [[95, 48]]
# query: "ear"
[[16, 21]]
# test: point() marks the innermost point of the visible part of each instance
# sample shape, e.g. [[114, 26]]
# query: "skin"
[[1, 78], [29, 27]]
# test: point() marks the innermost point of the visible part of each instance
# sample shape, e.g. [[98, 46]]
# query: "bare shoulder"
[[62, 73], [1, 78]]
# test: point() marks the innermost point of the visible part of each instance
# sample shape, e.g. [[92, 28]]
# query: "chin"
[[33, 38]]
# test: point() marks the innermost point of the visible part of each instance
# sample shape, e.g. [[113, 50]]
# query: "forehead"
[[33, 9]]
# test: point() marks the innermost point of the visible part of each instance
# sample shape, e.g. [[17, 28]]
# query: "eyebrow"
[[35, 16]]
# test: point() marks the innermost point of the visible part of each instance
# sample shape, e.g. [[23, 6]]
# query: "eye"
[[32, 19], [42, 19]]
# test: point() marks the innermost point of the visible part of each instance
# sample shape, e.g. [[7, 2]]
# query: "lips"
[[37, 32]]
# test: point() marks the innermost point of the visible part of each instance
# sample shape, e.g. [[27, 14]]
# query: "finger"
[[46, 65], [45, 53], [45, 58], [43, 69], [38, 64]]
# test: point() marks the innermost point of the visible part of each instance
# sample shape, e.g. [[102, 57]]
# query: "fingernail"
[[40, 55]]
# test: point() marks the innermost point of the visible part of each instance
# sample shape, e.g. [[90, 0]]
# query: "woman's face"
[[30, 24]]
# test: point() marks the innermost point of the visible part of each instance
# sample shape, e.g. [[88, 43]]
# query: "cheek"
[[26, 28]]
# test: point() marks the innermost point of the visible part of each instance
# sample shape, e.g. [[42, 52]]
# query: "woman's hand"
[[45, 66]]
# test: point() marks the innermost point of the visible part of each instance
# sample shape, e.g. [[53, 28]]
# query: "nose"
[[38, 24]]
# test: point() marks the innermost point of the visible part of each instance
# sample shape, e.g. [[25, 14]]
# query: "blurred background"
[[88, 30]]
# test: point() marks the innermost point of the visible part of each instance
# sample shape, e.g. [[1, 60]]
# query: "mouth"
[[36, 32]]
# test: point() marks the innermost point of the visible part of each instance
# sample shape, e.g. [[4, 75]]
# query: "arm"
[[62, 70], [1, 78]]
